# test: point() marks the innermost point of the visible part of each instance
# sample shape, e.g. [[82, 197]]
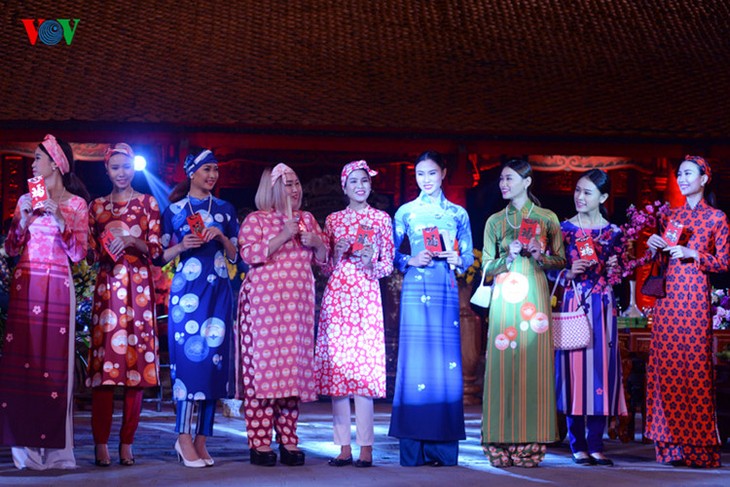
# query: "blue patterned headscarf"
[[193, 163]]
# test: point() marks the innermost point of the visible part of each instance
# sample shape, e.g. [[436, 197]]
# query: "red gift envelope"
[[586, 249], [432, 239], [363, 237], [38, 192], [107, 238], [528, 230], [197, 226], [672, 233]]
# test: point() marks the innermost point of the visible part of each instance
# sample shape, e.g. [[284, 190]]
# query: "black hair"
[[69, 180], [600, 178], [432, 155], [708, 192], [524, 169]]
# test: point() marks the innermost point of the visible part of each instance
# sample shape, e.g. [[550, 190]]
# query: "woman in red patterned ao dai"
[[276, 315], [350, 352], [124, 341]]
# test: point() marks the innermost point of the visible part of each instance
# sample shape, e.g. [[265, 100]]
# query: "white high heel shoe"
[[199, 463]]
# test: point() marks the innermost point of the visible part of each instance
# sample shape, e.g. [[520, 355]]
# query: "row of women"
[[270, 358]]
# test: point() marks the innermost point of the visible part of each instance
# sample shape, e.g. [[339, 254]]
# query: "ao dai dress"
[[350, 351], [276, 310], [201, 303], [519, 382], [428, 400], [680, 395], [588, 380], [37, 362], [124, 339]]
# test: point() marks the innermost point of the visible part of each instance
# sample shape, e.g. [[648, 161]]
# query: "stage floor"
[[157, 463]]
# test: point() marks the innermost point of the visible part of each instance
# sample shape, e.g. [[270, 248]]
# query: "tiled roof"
[[616, 68]]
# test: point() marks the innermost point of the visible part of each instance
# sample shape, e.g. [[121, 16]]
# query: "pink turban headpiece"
[[279, 171], [700, 161], [54, 150], [350, 167], [120, 148]]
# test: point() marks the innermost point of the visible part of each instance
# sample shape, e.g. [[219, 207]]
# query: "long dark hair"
[[524, 169], [600, 178], [69, 180]]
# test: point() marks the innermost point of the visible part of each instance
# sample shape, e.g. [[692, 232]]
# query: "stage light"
[[140, 163]]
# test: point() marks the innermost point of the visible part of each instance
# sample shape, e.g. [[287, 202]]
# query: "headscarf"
[[193, 163], [57, 155], [120, 148], [702, 163], [350, 167], [279, 171]]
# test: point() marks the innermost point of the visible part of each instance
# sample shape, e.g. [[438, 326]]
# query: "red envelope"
[[38, 192], [107, 238], [363, 237], [672, 233], [527, 231], [197, 226], [432, 239], [586, 249]]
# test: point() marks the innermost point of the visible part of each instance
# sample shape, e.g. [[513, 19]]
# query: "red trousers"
[[102, 409]]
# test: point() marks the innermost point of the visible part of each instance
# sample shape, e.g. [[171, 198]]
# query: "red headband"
[[700, 161], [120, 148], [57, 155]]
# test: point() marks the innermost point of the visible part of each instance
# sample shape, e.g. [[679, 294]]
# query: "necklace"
[[580, 224], [506, 218], [210, 203], [123, 210]]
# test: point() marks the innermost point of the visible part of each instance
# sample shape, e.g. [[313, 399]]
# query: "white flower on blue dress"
[[452, 365], [421, 387]]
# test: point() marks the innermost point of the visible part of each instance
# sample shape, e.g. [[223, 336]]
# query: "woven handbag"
[[483, 295], [571, 329]]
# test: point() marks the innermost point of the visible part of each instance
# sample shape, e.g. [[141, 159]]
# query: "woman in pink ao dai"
[[350, 351]]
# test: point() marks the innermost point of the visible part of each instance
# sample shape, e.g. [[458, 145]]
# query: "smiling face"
[[512, 185], [293, 189], [429, 177], [587, 197], [42, 164], [205, 177], [689, 179], [358, 186], [120, 170]]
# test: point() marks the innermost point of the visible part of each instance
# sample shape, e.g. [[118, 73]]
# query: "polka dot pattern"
[[276, 310], [124, 331]]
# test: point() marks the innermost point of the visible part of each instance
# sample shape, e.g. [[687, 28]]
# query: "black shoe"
[[101, 463], [127, 462], [263, 458], [678, 463], [363, 464], [602, 460], [584, 459], [292, 458], [339, 462]]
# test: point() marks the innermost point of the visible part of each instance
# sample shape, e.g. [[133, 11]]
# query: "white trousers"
[[364, 431]]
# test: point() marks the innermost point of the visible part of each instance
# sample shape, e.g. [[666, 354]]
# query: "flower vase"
[[632, 311]]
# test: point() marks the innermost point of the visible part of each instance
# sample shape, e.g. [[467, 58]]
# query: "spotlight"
[[140, 163]]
